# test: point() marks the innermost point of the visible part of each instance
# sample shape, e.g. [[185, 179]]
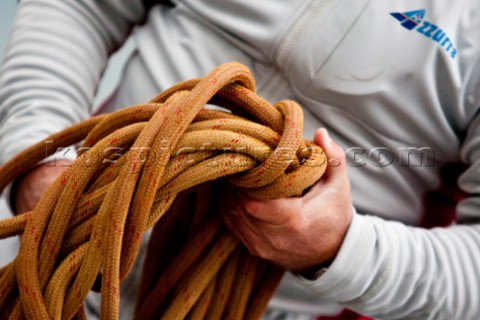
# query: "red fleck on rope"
[[157, 165]]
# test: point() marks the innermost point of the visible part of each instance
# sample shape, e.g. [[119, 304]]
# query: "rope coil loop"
[[153, 165]]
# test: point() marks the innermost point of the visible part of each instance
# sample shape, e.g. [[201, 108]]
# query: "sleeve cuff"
[[337, 281]]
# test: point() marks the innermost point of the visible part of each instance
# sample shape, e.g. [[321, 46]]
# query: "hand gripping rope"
[[153, 165]]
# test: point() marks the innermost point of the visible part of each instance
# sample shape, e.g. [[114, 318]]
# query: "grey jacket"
[[395, 83]]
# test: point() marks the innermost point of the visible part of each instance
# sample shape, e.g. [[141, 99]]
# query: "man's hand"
[[31, 186], [299, 234]]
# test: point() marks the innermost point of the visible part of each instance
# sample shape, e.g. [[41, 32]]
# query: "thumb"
[[337, 164]]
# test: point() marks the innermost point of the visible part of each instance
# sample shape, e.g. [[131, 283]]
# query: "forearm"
[[390, 271], [57, 53]]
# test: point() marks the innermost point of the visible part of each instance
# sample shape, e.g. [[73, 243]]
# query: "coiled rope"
[[152, 165]]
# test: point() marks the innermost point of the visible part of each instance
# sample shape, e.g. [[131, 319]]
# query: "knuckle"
[[251, 206], [295, 227], [278, 243], [259, 251], [252, 249], [334, 162], [293, 223]]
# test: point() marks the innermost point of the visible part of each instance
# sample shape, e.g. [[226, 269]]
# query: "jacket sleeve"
[[388, 270], [56, 55]]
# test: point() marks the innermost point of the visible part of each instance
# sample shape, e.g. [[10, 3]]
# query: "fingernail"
[[334, 162]]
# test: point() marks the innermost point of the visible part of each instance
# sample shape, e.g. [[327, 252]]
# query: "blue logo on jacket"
[[414, 20]]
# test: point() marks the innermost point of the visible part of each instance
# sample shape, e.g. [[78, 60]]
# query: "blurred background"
[[9, 247]]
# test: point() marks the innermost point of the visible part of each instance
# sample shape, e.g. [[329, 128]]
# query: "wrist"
[[29, 188], [315, 272]]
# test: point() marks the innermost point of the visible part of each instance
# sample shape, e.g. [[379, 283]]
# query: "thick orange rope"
[[154, 165]]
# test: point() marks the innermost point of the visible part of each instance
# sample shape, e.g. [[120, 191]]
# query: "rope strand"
[[138, 168]]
